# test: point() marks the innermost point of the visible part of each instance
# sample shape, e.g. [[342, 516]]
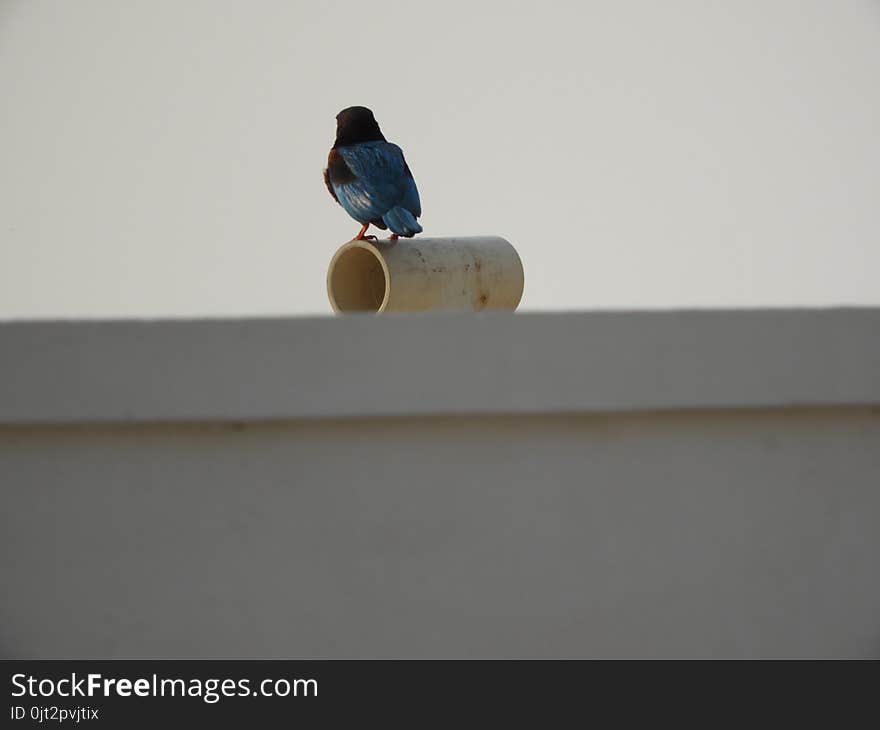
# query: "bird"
[[368, 176]]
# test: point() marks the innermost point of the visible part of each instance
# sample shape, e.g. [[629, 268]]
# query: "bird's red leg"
[[393, 237], [361, 237]]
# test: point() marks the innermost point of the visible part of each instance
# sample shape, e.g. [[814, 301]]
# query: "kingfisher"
[[368, 176]]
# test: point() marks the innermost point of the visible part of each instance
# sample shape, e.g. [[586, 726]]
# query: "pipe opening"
[[357, 280]]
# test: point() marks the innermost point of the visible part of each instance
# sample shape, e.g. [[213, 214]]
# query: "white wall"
[[710, 534], [614, 484]]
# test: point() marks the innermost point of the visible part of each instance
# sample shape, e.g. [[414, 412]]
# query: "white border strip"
[[393, 365]]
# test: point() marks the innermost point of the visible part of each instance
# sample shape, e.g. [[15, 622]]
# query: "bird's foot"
[[393, 237], [361, 237]]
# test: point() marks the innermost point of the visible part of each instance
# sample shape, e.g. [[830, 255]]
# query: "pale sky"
[[164, 158]]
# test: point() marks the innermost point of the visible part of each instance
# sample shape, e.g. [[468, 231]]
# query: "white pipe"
[[418, 274]]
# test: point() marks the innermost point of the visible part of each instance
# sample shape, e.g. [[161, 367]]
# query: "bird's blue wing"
[[410, 199], [381, 181]]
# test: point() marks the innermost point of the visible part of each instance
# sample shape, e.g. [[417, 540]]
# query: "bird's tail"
[[402, 222]]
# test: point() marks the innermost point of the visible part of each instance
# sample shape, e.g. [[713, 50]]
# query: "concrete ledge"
[[632, 484], [366, 366]]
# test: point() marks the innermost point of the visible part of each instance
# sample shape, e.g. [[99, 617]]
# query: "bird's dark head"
[[356, 124]]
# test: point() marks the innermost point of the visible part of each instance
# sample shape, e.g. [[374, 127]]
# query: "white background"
[[164, 158]]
